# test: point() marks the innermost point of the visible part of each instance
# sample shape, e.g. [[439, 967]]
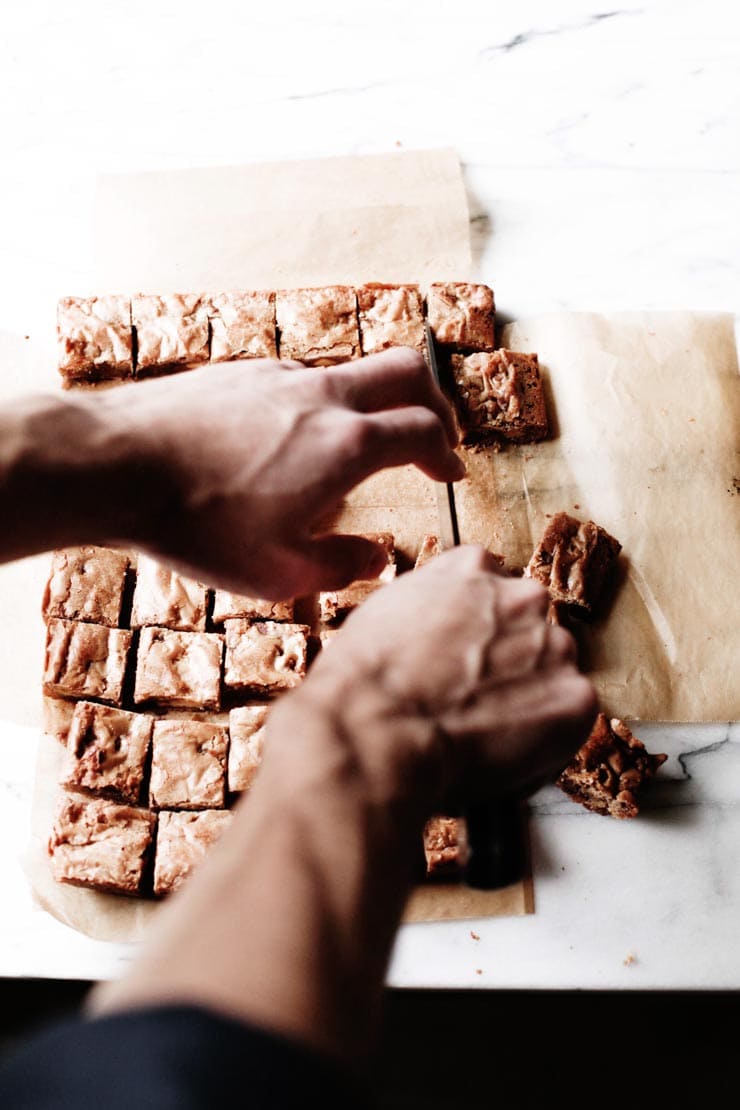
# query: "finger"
[[400, 436], [399, 376], [334, 561]]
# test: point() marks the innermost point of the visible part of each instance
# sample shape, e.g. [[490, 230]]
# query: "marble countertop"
[[601, 154]]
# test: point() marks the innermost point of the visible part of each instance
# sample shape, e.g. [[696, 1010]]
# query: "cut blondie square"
[[264, 657], [318, 326], [86, 584], [171, 331], [188, 765], [94, 339], [431, 547], [179, 668], [572, 560], [609, 771], [247, 734], [390, 316], [164, 597], [183, 839], [107, 751], [227, 606], [242, 325], [445, 846], [101, 844], [462, 315], [85, 660], [334, 605], [499, 396]]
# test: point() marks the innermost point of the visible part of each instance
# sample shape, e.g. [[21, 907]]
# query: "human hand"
[[254, 454]]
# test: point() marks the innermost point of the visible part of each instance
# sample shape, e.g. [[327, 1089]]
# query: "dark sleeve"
[[181, 1057]]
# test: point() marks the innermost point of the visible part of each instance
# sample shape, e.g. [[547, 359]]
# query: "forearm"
[[292, 923], [71, 472]]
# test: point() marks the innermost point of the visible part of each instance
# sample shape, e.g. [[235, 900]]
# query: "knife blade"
[[496, 854]]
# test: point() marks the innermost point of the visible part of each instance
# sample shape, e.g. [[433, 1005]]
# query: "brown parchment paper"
[[647, 435], [396, 217]]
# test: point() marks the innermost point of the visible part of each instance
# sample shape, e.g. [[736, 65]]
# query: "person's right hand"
[[451, 680]]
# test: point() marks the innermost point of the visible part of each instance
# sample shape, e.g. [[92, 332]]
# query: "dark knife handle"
[[497, 853]]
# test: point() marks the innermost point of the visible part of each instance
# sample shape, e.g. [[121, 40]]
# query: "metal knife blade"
[[496, 856]]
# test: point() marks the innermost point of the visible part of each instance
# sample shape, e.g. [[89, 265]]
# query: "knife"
[[496, 852]]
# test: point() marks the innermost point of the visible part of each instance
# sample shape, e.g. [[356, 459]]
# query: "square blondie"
[[264, 657], [107, 750], [85, 660], [188, 765], [179, 668], [445, 846], [168, 599], [227, 606], [334, 605], [86, 584], [390, 316], [171, 331], [242, 325], [183, 839], [318, 326], [247, 734], [462, 315], [101, 844], [94, 338], [572, 560], [499, 395]]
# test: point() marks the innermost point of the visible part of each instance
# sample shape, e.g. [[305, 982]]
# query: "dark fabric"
[[176, 1056]]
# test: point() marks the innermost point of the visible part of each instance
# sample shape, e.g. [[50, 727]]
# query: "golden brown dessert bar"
[[573, 559], [499, 396], [318, 326], [445, 846], [188, 765], [246, 739], [608, 773], [334, 605], [94, 338], [85, 660], [107, 751], [390, 316], [227, 605], [86, 584], [171, 331], [431, 547], [242, 325], [182, 841], [462, 315], [179, 668], [57, 714], [101, 844], [168, 599], [264, 657]]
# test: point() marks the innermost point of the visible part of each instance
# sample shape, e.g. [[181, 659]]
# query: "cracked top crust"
[[170, 331], [85, 660], [227, 605], [318, 326], [242, 325], [179, 668], [164, 597], [462, 314], [86, 584], [247, 734], [107, 750], [182, 841], [265, 656], [390, 316], [500, 394], [94, 338], [188, 765], [572, 560], [100, 844]]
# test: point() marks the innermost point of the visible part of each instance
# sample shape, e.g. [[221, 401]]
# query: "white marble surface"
[[601, 151]]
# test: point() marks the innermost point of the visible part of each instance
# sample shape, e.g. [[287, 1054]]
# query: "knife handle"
[[496, 845]]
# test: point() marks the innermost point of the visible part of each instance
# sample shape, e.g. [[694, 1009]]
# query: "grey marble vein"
[[525, 37]]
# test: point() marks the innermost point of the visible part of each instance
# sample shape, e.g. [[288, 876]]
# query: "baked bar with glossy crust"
[[462, 315], [334, 605], [94, 338], [85, 660], [227, 605], [572, 560], [101, 844], [188, 765], [179, 668], [168, 599], [318, 326], [430, 548], [608, 772], [242, 325], [445, 845], [264, 657], [107, 751], [499, 395], [86, 584], [246, 738], [183, 838], [390, 316], [171, 331]]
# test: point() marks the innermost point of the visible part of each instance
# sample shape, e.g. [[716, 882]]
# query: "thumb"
[[332, 562]]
